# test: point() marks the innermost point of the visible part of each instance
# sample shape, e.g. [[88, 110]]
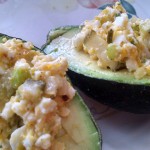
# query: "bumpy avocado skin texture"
[[123, 92], [94, 138]]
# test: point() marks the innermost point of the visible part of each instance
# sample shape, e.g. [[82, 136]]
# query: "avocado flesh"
[[82, 133], [83, 145], [120, 89]]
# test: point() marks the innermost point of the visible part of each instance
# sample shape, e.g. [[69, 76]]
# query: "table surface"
[[32, 19]]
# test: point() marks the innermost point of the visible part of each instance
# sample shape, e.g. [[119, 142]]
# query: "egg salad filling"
[[34, 97], [117, 42]]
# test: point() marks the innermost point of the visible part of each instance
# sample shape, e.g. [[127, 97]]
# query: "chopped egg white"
[[43, 141]]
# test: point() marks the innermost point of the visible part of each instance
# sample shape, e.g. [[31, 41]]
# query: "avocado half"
[[82, 131], [119, 89]]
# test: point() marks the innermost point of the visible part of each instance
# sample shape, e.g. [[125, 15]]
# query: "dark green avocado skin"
[[121, 96]]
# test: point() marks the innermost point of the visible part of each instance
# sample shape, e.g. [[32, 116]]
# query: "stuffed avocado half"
[[108, 58], [39, 107]]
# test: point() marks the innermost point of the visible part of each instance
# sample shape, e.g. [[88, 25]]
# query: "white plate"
[[32, 19]]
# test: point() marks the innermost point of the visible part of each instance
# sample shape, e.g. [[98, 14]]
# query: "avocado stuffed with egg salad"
[[116, 42], [37, 101]]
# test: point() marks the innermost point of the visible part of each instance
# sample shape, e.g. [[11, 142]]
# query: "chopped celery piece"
[[19, 75], [112, 51]]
